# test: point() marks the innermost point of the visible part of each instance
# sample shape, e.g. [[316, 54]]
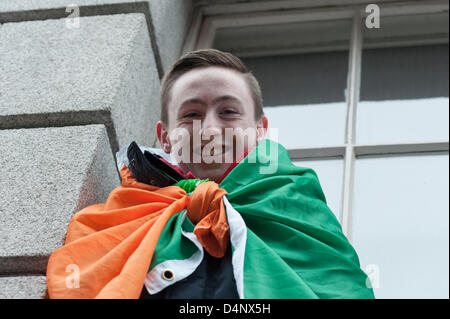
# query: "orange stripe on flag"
[[112, 244]]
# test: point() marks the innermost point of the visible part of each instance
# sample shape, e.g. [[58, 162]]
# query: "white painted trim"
[[317, 152], [353, 77], [251, 16], [413, 7], [385, 43], [404, 148], [207, 34], [347, 192], [409, 41], [353, 88], [324, 152]]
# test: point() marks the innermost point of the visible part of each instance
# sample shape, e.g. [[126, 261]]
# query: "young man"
[[214, 90], [241, 222]]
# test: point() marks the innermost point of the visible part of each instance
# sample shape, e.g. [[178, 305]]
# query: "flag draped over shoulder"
[[295, 245], [286, 243]]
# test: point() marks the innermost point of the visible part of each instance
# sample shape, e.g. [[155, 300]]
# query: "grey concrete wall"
[[69, 99]]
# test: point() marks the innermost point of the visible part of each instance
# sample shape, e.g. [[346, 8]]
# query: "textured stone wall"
[[70, 97]]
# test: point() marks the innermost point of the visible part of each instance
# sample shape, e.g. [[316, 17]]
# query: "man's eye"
[[193, 114], [229, 112]]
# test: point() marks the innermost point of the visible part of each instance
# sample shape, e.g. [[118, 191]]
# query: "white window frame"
[[209, 19]]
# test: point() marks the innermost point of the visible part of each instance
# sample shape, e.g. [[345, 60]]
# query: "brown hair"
[[204, 58]]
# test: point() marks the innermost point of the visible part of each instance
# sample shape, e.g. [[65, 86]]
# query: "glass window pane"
[[302, 70], [398, 121], [308, 125], [299, 79], [404, 81], [304, 96], [400, 224], [330, 173]]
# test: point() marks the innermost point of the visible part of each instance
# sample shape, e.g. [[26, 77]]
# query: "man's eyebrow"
[[219, 99]]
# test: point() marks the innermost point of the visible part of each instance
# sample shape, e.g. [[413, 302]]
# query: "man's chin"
[[212, 171]]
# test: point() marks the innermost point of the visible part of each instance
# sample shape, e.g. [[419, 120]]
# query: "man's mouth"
[[212, 150]]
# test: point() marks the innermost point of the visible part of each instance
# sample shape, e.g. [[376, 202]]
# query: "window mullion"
[[353, 87]]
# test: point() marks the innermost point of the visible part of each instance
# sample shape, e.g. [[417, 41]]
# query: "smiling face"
[[214, 107]]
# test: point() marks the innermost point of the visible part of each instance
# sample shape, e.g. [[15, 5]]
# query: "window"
[[400, 223], [294, 84], [367, 109]]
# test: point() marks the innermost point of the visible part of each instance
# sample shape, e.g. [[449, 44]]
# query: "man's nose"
[[211, 126]]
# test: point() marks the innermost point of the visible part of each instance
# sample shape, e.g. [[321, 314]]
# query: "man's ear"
[[261, 128], [163, 137]]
